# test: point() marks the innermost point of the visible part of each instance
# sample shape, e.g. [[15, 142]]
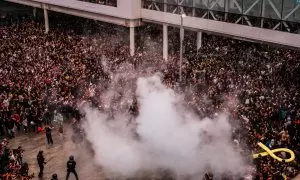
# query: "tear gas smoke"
[[165, 135]]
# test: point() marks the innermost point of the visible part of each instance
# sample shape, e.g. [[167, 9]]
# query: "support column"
[[226, 4], [165, 42], [263, 5], [199, 40], [34, 12], [132, 38], [46, 18]]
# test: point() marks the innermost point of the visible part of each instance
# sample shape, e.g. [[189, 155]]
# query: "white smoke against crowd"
[[164, 135]]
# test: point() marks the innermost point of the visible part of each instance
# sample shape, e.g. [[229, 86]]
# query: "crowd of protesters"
[[12, 164], [266, 83], [43, 74]]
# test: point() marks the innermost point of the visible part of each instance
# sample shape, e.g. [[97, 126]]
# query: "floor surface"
[[56, 155]]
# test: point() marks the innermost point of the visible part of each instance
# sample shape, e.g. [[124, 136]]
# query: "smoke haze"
[[169, 137], [166, 134]]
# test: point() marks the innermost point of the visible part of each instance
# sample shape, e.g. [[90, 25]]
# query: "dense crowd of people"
[[43, 74], [266, 82]]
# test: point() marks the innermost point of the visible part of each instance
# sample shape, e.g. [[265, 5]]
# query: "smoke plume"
[[164, 135]]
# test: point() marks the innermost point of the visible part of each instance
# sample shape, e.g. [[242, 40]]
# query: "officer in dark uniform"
[[54, 177], [41, 162], [71, 165]]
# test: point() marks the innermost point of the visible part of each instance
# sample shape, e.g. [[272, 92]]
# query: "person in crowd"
[[71, 167], [19, 154], [9, 126], [48, 130], [41, 162], [61, 131], [24, 169], [25, 125]]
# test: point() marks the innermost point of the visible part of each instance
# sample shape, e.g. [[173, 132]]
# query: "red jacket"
[[16, 117]]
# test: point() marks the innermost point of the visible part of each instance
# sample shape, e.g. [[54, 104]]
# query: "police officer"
[[54, 177], [71, 165], [41, 162]]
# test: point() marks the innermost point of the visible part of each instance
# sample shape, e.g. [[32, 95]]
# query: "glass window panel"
[[175, 2], [295, 17], [217, 5], [159, 1], [255, 21], [235, 6], [273, 9], [173, 8], [289, 6], [252, 7], [156, 1], [202, 4], [187, 3]]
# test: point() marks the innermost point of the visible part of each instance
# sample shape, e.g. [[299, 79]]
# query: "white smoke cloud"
[[170, 136]]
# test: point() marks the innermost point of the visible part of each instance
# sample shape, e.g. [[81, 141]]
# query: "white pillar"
[[199, 40], [131, 34], [34, 12], [165, 42], [46, 19]]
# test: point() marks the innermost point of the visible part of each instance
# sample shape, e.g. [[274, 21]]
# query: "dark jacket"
[[24, 170], [71, 165], [48, 130], [40, 159], [10, 124]]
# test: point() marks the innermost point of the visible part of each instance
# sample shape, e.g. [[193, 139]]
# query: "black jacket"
[[71, 165], [48, 130], [40, 159]]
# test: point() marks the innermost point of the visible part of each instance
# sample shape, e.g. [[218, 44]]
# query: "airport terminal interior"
[[150, 89]]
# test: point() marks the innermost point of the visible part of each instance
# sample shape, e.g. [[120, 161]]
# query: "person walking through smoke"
[[48, 130], [71, 165], [41, 162], [54, 177]]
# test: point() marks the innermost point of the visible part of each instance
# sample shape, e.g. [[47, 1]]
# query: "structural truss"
[[282, 15]]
